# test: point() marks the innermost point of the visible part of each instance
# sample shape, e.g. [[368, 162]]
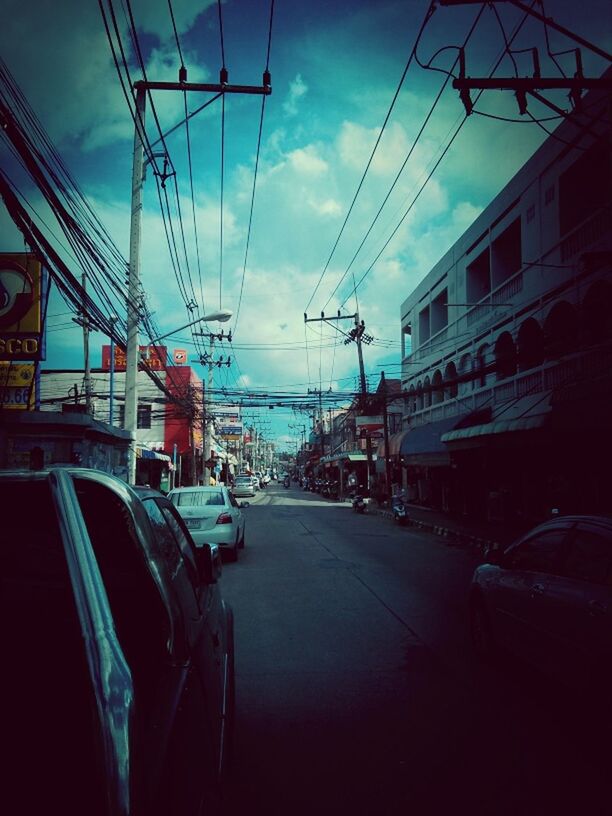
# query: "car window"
[[539, 553], [589, 556], [177, 567], [198, 498], [184, 542]]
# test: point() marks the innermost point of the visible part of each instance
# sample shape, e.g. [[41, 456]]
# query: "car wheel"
[[481, 635]]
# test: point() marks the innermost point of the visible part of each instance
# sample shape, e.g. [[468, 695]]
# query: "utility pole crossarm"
[[261, 90]]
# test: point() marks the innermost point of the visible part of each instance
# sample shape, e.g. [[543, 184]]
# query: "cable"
[[176, 36], [428, 15]]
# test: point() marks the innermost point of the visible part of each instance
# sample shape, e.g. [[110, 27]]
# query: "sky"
[[313, 244]]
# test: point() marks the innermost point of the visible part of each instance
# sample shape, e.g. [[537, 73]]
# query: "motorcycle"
[[358, 501], [398, 508], [286, 482]]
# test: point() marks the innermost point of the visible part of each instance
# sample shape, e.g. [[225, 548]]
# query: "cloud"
[[297, 89]]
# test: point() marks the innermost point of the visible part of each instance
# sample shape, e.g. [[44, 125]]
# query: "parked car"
[[548, 598], [121, 669], [212, 516], [243, 486]]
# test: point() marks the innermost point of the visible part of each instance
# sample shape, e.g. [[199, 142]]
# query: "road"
[[357, 692]]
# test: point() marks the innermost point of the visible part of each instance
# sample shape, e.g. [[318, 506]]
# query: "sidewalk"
[[477, 535]]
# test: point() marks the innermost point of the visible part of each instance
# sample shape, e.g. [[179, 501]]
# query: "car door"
[[237, 514], [209, 651], [520, 592], [581, 603]]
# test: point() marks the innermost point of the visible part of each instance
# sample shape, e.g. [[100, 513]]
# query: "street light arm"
[[222, 316]]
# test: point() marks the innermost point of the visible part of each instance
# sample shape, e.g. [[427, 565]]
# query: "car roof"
[[197, 489]]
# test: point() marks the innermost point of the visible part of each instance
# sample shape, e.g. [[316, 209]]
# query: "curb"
[[453, 536]]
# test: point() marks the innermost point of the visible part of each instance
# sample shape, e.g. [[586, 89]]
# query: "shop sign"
[[154, 356], [20, 322], [17, 386]]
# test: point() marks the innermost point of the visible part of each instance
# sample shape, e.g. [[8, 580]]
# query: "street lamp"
[[131, 383]]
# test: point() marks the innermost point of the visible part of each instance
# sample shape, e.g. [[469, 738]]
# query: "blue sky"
[[335, 69]]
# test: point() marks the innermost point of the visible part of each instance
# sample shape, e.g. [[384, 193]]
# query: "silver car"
[[243, 486], [212, 516]]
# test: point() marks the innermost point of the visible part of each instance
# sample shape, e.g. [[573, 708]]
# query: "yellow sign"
[[17, 386], [20, 310]]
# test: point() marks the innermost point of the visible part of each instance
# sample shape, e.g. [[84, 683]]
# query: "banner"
[[20, 312], [155, 356]]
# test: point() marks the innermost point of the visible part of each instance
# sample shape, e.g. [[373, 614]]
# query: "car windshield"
[[198, 498], [243, 480]]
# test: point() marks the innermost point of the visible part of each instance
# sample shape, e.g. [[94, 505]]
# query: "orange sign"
[[154, 356]]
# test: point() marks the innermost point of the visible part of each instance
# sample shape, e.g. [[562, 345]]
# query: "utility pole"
[[207, 418], [86, 350], [357, 335], [386, 437], [133, 304]]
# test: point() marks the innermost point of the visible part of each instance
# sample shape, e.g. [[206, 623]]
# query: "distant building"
[[507, 343], [169, 418]]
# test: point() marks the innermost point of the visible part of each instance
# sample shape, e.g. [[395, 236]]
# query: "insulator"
[[223, 76], [182, 74]]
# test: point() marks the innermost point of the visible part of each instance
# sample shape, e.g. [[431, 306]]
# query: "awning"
[[351, 456], [423, 445], [395, 443], [145, 453], [497, 427], [524, 414]]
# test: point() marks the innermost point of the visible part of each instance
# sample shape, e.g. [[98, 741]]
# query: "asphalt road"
[[357, 692]]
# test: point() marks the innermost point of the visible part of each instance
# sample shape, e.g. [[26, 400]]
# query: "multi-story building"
[[507, 342], [169, 418]]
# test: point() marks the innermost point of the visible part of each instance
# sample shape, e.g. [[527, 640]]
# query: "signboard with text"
[[17, 389], [154, 356], [20, 312]]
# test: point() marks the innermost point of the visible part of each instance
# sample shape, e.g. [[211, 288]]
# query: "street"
[[356, 688]]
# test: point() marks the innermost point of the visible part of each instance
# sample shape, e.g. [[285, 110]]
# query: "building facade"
[[507, 343]]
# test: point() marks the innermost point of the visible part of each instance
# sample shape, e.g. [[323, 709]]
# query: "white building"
[[507, 356]]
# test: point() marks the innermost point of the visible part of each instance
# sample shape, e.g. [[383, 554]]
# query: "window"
[[584, 187], [540, 553], [590, 556], [424, 326], [478, 278], [506, 254], [143, 418], [198, 498], [439, 312]]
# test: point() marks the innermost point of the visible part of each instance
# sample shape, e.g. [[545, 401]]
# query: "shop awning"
[[423, 445], [145, 453], [395, 443], [351, 456], [525, 414]]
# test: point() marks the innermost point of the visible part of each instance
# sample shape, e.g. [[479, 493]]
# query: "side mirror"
[[243, 504], [494, 554], [209, 564]]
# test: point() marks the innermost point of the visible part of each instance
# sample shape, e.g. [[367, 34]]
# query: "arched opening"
[[420, 397], [426, 392], [437, 388], [505, 356], [482, 359], [450, 380], [560, 330], [466, 384], [530, 342], [412, 400], [597, 313]]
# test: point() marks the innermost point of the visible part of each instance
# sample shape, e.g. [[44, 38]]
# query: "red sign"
[[154, 356], [180, 356]]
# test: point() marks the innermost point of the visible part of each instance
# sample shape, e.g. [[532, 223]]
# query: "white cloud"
[[297, 89], [306, 161]]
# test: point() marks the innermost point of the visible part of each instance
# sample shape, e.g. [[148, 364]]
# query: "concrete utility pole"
[[133, 303], [386, 437], [357, 335]]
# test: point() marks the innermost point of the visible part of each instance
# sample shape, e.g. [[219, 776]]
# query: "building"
[[507, 343], [169, 419]]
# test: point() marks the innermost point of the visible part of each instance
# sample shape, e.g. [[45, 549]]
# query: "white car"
[[243, 486], [212, 516]]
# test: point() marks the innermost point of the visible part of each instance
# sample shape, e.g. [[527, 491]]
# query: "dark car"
[[118, 651], [548, 598]]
